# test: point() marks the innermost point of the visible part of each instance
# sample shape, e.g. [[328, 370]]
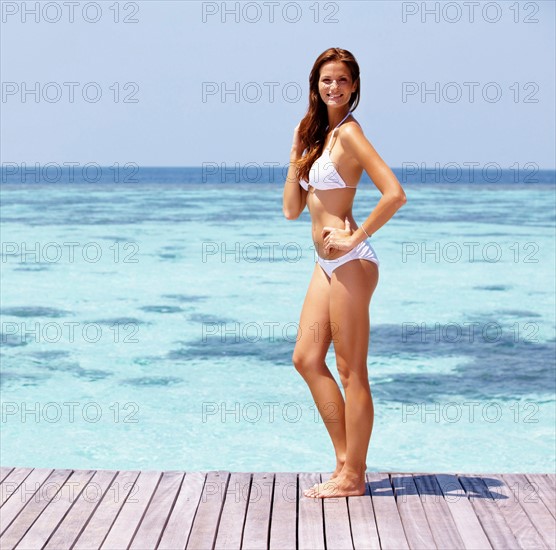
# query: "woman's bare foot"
[[341, 486], [335, 474]]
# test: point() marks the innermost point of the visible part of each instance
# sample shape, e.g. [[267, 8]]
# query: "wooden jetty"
[[169, 510]]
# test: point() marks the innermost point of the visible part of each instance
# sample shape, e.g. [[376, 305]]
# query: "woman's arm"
[[393, 197], [295, 197]]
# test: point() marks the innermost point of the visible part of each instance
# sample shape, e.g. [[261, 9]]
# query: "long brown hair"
[[312, 129]]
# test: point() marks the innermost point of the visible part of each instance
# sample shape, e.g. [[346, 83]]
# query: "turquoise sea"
[[151, 325]]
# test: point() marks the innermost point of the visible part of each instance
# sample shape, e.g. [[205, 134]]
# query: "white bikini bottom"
[[363, 251]]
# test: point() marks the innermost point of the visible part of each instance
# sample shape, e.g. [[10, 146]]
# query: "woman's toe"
[[310, 491]]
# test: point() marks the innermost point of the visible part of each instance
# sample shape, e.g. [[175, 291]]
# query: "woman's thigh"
[[314, 331], [352, 286]]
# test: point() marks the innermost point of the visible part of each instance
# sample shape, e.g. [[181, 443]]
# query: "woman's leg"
[[313, 340], [352, 286]]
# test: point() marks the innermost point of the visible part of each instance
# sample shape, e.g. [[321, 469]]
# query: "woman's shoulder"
[[350, 129]]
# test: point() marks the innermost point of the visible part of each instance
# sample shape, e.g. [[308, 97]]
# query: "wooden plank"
[[12, 481], [411, 512], [34, 506], [544, 488], [127, 522], [152, 525], [78, 516], [463, 514], [179, 524], [497, 530], [440, 519], [310, 532], [230, 529], [550, 480], [388, 521], [205, 524], [540, 519], [5, 471], [106, 512], [364, 532], [507, 499], [22, 495], [257, 521], [283, 525], [337, 531], [54, 513]]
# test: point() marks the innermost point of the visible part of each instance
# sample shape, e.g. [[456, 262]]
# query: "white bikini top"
[[323, 174]]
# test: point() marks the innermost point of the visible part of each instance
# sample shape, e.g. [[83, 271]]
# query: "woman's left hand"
[[337, 239]]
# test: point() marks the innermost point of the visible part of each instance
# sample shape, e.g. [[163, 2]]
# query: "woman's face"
[[335, 84]]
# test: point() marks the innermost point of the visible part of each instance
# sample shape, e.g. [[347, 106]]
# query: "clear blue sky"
[[174, 51]]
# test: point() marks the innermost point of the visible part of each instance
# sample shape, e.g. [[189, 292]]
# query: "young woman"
[[336, 307]]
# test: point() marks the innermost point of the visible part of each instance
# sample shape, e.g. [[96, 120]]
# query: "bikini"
[[324, 176]]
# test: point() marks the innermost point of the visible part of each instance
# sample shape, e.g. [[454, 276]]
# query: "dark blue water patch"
[[34, 311], [118, 321], [185, 297], [14, 380], [92, 375], [490, 234], [114, 238], [501, 212], [100, 205], [106, 220], [161, 309], [492, 288], [33, 269], [205, 318], [60, 361], [12, 340], [49, 354], [147, 360], [495, 365], [152, 381], [518, 313], [170, 252], [277, 352]]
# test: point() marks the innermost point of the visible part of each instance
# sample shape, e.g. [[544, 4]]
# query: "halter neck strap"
[[348, 113]]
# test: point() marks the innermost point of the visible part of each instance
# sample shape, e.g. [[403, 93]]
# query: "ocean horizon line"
[[253, 173]]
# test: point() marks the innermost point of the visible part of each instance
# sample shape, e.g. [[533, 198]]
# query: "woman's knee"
[[352, 373], [307, 362]]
